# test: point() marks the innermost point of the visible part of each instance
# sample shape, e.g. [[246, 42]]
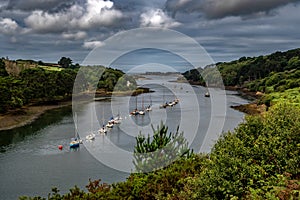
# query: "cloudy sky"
[[228, 29]]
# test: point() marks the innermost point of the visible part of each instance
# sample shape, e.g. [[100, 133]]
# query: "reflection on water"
[[12, 137], [31, 163]]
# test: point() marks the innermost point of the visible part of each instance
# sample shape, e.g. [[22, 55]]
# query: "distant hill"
[[246, 69]]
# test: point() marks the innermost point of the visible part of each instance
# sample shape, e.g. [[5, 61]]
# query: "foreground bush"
[[258, 160]]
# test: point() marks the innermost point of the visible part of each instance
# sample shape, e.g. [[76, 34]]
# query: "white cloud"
[[95, 13], [99, 13], [92, 44], [157, 18], [8, 26], [74, 36], [40, 21]]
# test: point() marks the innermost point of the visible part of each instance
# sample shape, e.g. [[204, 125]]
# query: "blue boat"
[[75, 142]]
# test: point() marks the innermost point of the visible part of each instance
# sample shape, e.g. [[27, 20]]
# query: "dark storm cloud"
[[45, 5], [216, 9], [29, 5], [47, 29]]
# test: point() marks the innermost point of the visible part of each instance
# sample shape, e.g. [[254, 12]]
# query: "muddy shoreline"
[[252, 108], [29, 113]]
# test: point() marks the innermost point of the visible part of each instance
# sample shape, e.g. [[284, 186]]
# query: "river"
[[31, 163]]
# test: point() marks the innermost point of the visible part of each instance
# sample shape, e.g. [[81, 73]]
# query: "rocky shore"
[[252, 108]]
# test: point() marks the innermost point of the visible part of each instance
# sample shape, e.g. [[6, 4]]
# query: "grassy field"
[[50, 68]]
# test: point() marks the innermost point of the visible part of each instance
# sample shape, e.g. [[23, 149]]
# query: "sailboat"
[[109, 125], [91, 136], [149, 106], [135, 111], [103, 129], [75, 142], [142, 112], [118, 118], [163, 105]]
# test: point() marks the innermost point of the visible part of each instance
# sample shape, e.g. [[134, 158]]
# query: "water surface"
[[31, 163]]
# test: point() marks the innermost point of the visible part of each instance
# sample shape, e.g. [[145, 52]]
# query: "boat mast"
[[142, 102], [135, 102], [76, 128]]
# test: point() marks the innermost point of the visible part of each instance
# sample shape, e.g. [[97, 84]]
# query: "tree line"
[[40, 85], [248, 69]]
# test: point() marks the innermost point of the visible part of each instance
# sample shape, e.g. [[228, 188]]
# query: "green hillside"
[[24, 82], [278, 72]]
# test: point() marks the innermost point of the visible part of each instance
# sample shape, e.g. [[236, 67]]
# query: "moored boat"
[[90, 137], [75, 142], [102, 130]]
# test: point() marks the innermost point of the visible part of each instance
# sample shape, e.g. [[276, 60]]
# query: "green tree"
[[65, 62], [160, 151], [3, 71]]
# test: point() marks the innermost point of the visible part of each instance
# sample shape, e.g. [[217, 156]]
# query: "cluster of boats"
[[143, 110], [140, 112], [110, 124], [169, 104], [76, 141]]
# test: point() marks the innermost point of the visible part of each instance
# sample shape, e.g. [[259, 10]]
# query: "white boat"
[[141, 112], [90, 137], [171, 104], [109, 125], [111, 120], [118, 119], [135, 111], [164, 105], [102, 130], [176, 101], [149, 106]]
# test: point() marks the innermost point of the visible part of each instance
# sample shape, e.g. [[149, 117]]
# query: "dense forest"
[[24, 82], [270, 74]]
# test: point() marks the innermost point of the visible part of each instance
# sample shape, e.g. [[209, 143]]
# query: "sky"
[[227, 29]]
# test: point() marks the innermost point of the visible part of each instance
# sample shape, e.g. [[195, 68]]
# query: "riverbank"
[[252, 108], [103, 93], [27, 114]]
